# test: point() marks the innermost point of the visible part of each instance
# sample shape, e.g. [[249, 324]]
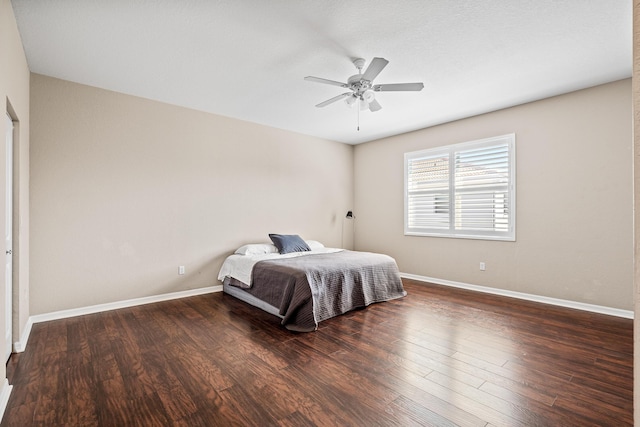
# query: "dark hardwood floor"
[[439, 357]]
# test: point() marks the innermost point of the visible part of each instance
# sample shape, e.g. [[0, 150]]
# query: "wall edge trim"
[[64, 314], [20, 345], [4, 397], [610, 311]]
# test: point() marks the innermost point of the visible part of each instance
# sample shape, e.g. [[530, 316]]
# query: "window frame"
[[450, 151]]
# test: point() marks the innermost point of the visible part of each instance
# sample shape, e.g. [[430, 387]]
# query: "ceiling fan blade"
[[374, 68], [398, 87], [325, 81], [334, 99], [374, 106]]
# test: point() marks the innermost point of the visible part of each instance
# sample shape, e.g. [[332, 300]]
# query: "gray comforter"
[[312, 288]]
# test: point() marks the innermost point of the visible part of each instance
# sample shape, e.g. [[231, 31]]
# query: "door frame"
[[9, 148]]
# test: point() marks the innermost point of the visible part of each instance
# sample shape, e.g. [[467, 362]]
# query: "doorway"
[[8, 238]]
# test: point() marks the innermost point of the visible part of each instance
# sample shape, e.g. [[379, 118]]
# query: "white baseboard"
[[19, 346], [529, 297], [63, 314], [4, 397]]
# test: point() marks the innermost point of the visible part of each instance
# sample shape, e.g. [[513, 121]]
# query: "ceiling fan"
[[362, 87]]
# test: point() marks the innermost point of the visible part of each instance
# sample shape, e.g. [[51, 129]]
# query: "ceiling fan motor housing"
[[358, 84]]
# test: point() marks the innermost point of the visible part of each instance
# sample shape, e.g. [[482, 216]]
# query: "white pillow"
[[257, 249], [314, 244]]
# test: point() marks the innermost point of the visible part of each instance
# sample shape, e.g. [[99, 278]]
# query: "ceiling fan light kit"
[[362, 87]]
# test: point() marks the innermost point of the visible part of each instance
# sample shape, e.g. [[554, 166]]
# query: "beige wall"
[[124, 190], [574, 200], [14, 98]]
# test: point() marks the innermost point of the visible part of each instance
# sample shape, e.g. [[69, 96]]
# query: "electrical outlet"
[[181, 269], [483, 266]]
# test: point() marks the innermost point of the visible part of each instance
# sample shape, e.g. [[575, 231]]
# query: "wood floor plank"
[[173, 395], [340, 397], [419, 415], [81, 407], [438, 357], [295, 419], [536, 385]]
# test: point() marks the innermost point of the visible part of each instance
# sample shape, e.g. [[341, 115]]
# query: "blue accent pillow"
[[287, 243]]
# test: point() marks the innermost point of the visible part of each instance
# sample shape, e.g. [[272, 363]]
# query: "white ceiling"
[[247, 58]]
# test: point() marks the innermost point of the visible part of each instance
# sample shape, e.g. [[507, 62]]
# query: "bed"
[[307, 283]]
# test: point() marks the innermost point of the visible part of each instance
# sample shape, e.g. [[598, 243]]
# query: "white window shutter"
[[428, 192], [463, 190]]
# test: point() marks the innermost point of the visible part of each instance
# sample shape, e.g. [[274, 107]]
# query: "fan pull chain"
[[359, 101]]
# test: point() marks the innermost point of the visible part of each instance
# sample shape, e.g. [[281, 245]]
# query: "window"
[[464, 190]]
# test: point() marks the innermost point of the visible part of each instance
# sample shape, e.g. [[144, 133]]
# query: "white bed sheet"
[[240, 266]]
